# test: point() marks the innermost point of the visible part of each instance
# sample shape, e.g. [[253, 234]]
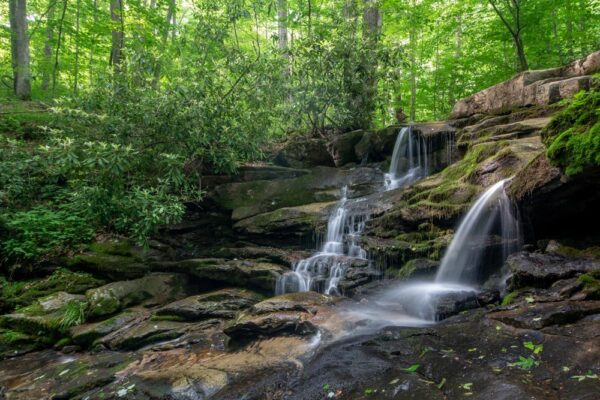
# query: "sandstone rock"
[[267, 325], [254, 172], [153, 289], [225, 303], [531, 88], [306, 302]]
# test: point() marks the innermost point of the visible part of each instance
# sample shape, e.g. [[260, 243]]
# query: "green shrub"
[[41, 231]]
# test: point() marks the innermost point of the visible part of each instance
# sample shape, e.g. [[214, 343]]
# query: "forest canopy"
[[136, 100]]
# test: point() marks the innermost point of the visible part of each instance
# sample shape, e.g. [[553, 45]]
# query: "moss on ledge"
[[573, 136]]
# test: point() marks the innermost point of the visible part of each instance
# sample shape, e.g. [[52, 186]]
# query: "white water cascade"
[[492, 211], [489, 223], [323, 271], [410, 160]]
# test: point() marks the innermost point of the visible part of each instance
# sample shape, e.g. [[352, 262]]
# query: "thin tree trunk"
[[93, 43], [514, 8], [76, 72], [570, 44], [48, 48], [60, 28], [413, 65], [20, 48], [371, 31], [282, 34], [116, 53], [165, 37]]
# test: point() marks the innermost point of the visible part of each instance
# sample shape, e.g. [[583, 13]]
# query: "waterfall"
[[410, 159], [465, 254], [490, 218], [324, 270]]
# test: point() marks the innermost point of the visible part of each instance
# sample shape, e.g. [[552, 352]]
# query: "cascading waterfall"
[[410, 160], [323, 271], [466, 251], [460, 267]]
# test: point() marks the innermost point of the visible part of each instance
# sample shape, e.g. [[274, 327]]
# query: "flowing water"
[[491, 213], [410, 161], [323, 271], [489, 223]]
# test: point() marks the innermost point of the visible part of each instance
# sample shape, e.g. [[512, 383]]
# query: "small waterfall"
[[324, 270], [410, 160], [491, 217], [491, 212]]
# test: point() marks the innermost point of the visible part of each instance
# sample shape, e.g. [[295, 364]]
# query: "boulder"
[[242, 273], [304, 152], [153, 289], [342, 147], [85, 335], [376, 145], [268, 325], [531, 88], [225, 303], [295, 224], [246, 199], [542, 270], [253, 172], [541, 315]]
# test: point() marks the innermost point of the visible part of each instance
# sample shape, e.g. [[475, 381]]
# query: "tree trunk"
[[371, 32], [20, 48], [570, 44], [282, 34], [412, 44], [523, 65], [48, 48], [60, 29], [165, 37], [116, 52], [93, 43], [76, 72]]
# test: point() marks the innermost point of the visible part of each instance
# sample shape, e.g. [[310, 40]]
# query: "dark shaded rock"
[[288, 224], [341, 147], [418, 268], [541, 315], [376, 145], [246, 199], [241, 273], [541, 190], [225, 303], [541, 270], [267, 325], [303, 152], [255, 172]]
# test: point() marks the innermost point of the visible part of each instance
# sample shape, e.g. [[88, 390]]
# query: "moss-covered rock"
[[85, 335], [23, 293], [153, 289], [573, 136]]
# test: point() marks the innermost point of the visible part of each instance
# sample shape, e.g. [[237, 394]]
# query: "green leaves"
[[412, 368]]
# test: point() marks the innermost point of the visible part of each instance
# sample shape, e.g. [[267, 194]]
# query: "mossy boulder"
[[153, 289], [23, 293], [304, 152], [85, 335], [288, 224]]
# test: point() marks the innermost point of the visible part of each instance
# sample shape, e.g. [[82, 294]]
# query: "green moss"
[[591, 282], [573, 136], [107, 304], [23, 293], [510, 297], [115, 247]]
